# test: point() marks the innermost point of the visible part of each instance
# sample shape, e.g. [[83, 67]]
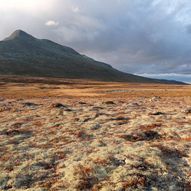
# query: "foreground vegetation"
[[94, 136]]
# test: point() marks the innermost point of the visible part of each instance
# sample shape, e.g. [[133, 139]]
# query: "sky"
[[149, 37]]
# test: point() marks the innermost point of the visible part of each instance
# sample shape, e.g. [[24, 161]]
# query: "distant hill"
[[22, 54]]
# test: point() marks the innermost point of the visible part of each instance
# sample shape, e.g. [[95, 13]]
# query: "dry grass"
[[80, 88]]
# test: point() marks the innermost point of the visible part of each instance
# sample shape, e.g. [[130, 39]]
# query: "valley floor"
[[94, 136]]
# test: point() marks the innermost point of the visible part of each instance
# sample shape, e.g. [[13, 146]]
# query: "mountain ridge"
[[22, 54]]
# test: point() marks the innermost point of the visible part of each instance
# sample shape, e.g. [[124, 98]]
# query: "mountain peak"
[[19, 34]]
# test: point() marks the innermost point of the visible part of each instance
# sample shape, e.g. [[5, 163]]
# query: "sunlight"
[[24, 5]]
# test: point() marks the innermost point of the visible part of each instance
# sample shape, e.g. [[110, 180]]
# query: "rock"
[[109, 103], [188, 111], [58, 105], [82, 103], [96, 127], [29, 104], [117, 162], [150, 135], [68, 109], [61, 106], [87, 119], [120, 118], [158, 113], [97, 108]]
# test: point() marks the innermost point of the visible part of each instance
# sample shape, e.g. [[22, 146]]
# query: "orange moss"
[[152, 126], [100, 161], [134, 181]]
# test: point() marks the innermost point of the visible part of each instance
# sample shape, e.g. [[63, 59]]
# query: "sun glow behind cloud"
[[26, 5]]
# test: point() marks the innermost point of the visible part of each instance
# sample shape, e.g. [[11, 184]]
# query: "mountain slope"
[[22, 54]]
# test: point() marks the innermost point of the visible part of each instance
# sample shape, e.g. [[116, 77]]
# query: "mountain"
[[23, 54]]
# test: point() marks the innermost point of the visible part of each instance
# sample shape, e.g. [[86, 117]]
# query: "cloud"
[[25, 6], [150, 36], [75, 9], [51, 23]]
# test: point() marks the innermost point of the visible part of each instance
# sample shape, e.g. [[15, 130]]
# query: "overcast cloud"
[[136, 36]]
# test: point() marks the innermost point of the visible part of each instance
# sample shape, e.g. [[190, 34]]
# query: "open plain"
[[62, 134]]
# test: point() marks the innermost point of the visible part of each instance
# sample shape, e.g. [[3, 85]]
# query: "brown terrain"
[[59, 134]]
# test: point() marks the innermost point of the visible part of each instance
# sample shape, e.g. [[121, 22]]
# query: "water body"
[[179, 77]]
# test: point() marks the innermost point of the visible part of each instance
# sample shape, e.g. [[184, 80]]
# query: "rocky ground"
[[131, 143]]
